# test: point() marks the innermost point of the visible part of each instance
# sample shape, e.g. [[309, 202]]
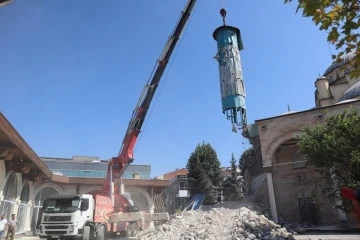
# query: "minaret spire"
[[223, 14]]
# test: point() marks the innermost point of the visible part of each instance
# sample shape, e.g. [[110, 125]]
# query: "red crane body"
[[113, 212], [118, 164]]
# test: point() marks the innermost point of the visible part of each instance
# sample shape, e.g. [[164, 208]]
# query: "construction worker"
[[3, 223], [354, 196], [12, 224]]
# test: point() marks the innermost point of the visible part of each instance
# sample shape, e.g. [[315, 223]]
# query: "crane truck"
[[109, 211]]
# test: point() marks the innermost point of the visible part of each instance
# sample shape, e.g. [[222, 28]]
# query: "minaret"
[[229, 45]]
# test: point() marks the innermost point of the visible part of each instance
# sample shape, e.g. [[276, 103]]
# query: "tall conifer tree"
[[204, 173]]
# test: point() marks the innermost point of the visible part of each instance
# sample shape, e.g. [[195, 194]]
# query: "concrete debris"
[[239, 221]]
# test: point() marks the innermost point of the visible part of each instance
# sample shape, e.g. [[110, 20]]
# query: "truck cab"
[[65, 216]]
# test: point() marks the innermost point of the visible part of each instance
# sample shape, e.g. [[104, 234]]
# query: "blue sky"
[[72, 72]]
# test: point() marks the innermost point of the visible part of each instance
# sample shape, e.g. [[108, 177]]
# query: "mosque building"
[[276, 172]]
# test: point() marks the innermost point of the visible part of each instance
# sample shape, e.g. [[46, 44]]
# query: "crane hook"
[[223, 14]]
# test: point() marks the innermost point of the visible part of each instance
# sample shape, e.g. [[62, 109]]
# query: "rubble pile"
[[242, 223]]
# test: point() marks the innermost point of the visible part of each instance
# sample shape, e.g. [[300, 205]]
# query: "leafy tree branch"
[[341, 20], [333, 148]]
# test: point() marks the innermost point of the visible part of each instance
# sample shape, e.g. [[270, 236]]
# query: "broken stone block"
[[216, 223]]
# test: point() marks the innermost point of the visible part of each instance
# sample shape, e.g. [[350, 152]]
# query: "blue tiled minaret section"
[[232, 86]]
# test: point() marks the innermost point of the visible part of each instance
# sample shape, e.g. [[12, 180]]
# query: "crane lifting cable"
[[118, 164], [165, 78], [147, 85], [108, 211]]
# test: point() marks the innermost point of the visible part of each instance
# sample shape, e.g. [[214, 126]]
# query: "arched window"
[[39, 200], [299, 160], [92, 192], [24, 196], [9, 192], [139, 200], [22, 210]]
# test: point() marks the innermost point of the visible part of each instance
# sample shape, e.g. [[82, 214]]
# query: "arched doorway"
[[10, 191], [91, 190], [139, 199], [23, 208], [39, 200]]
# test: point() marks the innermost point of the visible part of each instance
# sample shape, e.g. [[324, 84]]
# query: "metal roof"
[[16, 148], [352, 92], [346, 59], [91, 166]]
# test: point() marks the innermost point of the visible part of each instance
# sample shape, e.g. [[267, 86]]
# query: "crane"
[[117, 165], [102, 214]]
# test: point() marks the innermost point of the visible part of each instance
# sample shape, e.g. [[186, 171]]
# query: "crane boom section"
[[125, 156]]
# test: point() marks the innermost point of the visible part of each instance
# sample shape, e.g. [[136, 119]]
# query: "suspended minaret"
[[232, 86]]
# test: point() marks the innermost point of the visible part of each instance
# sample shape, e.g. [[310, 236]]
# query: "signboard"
[[182, 177], [183, 193]]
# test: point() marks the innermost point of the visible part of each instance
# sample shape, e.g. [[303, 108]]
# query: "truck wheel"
[[110, 235], [100, 233], [128, 231], [92, 233], [134, 229], [86, 233]]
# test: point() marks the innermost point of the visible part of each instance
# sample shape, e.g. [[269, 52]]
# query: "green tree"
[[204, 173], [341, 20], [232, 186], [334, 149], [243, 162], [248, 153]]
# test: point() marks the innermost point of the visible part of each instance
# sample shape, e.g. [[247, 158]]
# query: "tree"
[[341, 20], [4, 2], [247, 154], [232, 186], [204, 173], [334, 149], [244, 161]]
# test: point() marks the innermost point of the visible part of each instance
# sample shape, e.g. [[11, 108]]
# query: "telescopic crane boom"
[[118, 164]]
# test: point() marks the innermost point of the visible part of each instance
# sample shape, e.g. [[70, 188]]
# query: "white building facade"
[[25, 198], [27, 180]]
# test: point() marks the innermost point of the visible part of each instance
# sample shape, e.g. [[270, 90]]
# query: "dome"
[[346, 59], [351, 93], [346, 101]]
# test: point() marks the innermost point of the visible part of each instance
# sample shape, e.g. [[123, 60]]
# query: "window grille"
[[9, 192], [39, 200], [305, 209], [183, 185], [22, 210], [298, 160]]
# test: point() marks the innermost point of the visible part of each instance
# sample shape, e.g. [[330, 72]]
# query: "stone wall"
[[254, 174], [254, 163], [274, 131], [293, 184]]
